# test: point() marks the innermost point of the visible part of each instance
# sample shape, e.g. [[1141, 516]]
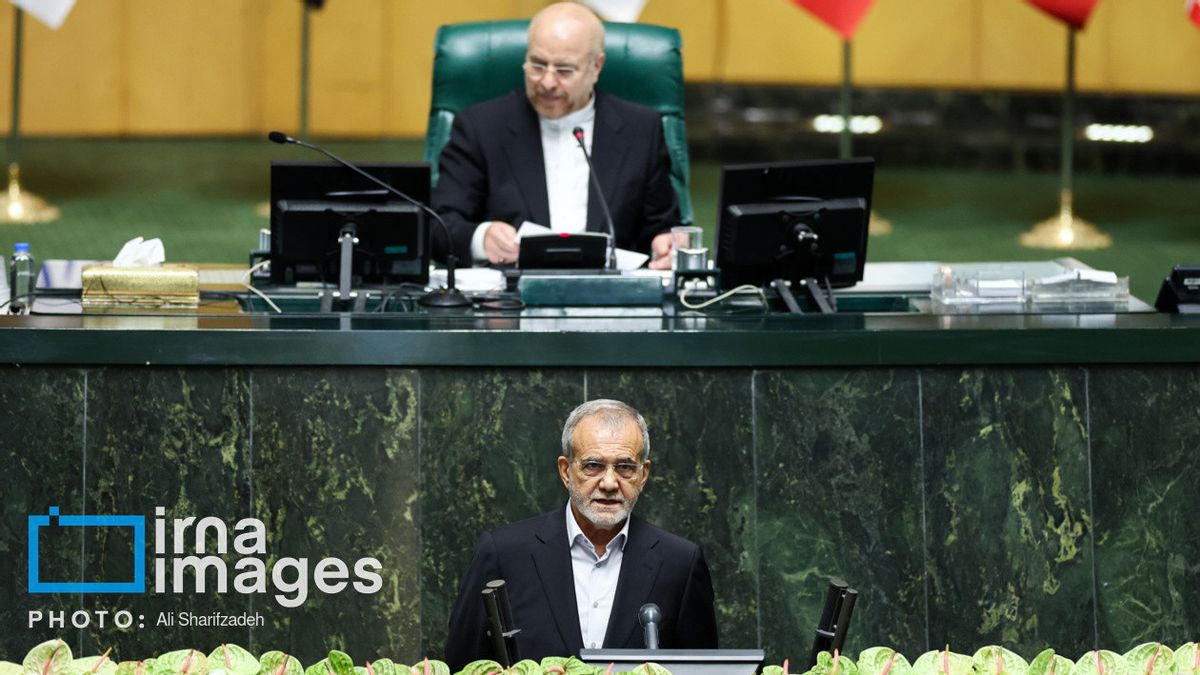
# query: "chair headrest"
[[474, 62]]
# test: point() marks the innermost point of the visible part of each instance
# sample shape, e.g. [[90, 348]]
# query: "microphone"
[[611, 263], [650, 616], [442, 297]]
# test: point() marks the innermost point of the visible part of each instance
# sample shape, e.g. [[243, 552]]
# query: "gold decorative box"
[[158, 286]]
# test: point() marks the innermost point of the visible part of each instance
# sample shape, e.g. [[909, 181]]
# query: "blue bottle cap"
[[21, 247]]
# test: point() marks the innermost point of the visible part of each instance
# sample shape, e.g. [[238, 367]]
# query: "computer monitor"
[[314, 203], [794, 221]]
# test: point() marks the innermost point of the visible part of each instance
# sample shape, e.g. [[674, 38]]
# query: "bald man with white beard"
[[576, 576], [514, 158]]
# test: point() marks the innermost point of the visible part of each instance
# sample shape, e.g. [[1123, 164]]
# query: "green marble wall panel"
[[41, 465], [838, 494], [1008, 518], [966, 491], [335, 457], [489, 442], [1145, 428], [162, 437], [702, 479]]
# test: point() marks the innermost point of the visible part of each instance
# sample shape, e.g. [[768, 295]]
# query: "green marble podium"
[[1013, 479]]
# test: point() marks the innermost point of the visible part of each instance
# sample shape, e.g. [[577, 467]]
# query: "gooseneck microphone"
[[442, 297], [650, 616], [611, 263]]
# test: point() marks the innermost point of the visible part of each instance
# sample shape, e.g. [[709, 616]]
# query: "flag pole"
[[845, 142], [878, 225], [305, 52], [264, 208], [1065, 230], [17, 206]]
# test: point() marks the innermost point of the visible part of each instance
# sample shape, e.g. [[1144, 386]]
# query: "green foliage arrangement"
[[54, 658]]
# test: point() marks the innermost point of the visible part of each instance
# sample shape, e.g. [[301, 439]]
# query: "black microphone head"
[[278, 137], [649, 613], [577, 132]]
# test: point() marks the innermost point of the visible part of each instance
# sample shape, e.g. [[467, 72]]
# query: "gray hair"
[[612, 414]]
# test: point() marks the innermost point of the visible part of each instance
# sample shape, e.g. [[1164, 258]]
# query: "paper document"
[[469, 279], [530, 227], [626, 259], [1094, 276]]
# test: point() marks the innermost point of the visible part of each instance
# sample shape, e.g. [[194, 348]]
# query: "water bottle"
[[20, 279]]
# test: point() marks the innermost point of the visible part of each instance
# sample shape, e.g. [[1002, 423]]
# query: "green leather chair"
[[474, 62]]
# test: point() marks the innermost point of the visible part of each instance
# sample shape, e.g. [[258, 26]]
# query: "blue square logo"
[[53, 519]]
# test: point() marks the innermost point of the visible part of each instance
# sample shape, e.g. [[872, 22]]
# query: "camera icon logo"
[[53, 519]]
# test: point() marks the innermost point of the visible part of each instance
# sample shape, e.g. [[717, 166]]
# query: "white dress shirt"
[[567, 180], [595, 579]]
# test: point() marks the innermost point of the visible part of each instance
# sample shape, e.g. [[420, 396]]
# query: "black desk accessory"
[[560, 250], [1180, 291]]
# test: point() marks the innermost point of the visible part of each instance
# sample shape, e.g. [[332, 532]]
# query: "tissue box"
[[157, 286]]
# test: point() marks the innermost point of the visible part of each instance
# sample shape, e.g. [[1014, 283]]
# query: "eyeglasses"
[[594, 469], [537, 71]]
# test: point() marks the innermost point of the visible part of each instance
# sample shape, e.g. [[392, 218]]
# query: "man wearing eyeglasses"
[[515, 159], [577, 576]]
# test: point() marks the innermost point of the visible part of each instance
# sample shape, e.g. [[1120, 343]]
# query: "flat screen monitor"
[[794, 221], [314, 203], [679, 661]]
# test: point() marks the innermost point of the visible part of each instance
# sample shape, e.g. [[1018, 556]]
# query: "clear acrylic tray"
[[1015, 287]]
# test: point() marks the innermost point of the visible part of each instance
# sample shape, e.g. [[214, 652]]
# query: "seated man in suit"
[[515, 158], [577, 576]]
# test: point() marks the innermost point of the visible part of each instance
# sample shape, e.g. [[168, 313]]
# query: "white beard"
[[606, 519]]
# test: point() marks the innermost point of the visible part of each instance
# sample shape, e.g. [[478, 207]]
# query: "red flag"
[[1193, 11], [841, 15], [1074, 12]]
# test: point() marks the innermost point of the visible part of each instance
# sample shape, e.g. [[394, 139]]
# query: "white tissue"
[[138, 252]]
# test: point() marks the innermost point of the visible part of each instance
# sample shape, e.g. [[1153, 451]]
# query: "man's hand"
[[660, 252], [500, 243]]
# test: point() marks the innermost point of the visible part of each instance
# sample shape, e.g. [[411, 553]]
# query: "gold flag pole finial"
[[1065, 230], [18, 207]]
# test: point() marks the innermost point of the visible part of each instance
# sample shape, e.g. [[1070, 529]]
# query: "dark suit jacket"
[[534, 558], [492, 169]]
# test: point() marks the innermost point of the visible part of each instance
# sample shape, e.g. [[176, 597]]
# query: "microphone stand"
[[441, 297], [501, 631], [611, 262], [835, 619]]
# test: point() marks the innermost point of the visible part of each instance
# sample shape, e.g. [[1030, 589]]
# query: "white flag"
[[50, 12], [624, 11]]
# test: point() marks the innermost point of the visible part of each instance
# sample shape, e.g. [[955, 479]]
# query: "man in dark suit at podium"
[[577, 576], [515, 158]]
